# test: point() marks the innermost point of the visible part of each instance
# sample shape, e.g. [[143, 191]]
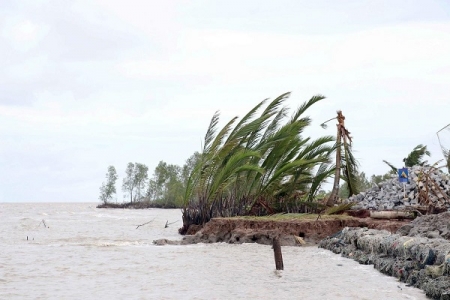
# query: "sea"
[[77, 251]]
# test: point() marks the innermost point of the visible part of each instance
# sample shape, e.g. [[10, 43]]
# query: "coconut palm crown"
[[260, 164]]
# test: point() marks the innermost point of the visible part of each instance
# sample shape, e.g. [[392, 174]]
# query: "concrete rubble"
[[427, 186]]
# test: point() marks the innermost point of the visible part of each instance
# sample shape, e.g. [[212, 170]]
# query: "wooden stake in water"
[[277, 253]]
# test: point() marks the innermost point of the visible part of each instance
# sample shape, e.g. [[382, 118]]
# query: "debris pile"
[[427, 186]]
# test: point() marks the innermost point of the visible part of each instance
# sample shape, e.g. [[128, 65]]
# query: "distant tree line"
[[165, 188]]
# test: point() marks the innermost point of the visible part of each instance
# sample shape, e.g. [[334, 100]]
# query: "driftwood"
[[145, 223]]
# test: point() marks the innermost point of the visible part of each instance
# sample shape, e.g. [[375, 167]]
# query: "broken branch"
[[167, 223], [145, 223]]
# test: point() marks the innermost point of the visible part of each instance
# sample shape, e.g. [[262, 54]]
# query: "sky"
[[88, 84]]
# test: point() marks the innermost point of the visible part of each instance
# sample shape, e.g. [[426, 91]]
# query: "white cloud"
[[22, 33], [101, 83]]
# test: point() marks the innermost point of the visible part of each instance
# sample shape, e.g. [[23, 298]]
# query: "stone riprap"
[[418, 254], [427, 186]]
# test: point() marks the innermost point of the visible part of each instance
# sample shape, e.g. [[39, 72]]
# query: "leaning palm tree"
[[346, 164], [257, 164]]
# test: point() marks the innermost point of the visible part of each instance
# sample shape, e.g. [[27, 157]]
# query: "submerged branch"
[[145, 223]]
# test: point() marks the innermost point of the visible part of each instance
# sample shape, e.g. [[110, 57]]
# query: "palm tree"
[[260, 162], [414, 158], [346, 164]]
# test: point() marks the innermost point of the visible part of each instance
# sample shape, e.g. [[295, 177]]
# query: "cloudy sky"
[[88, 84]]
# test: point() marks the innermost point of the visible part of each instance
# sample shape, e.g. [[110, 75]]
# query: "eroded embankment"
[[418, 254], [262, 231]]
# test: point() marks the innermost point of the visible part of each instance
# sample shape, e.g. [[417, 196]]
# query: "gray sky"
[[88, 84]]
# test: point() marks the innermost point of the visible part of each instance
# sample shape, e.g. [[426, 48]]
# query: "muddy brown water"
[[75, 251]]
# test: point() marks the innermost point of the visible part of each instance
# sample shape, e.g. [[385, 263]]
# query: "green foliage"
[[135, 180], [108, 189], [258, 162], [376, 179], [393, 168], [362, 183], [416, 156], [350, 173], [321, 194], [167, 185]]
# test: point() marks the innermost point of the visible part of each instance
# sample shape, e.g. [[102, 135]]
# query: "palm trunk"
[[337, 174]]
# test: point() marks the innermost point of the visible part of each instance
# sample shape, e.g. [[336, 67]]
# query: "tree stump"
[[277, 253]]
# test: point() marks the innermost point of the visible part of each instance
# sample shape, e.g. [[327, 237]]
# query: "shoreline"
[[293, 230], [416, 252]]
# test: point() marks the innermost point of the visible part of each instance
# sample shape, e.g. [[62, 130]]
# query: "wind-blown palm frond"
[[301, 110], [210, 133], [393, 168], [270, 111], [317, 147], [247, 118], [285, 169], [218, 140], [273, 126], [350, 170], [415, 157], [324, 171], [236, 163]]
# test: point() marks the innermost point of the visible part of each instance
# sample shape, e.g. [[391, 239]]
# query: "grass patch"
[[290, 217]]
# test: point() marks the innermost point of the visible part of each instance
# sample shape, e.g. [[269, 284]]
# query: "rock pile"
[[418, 254], [426, 186]]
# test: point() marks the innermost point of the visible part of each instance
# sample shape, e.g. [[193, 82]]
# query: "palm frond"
[[350, 170], [271, 109], [210, 133], [324, 171], [285, 169], [416, 155], [301, 110], [393, 168], [218, 140], [234, 164], [247, 118]]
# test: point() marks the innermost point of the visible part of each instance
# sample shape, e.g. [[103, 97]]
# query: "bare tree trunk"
[[337, 174]]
